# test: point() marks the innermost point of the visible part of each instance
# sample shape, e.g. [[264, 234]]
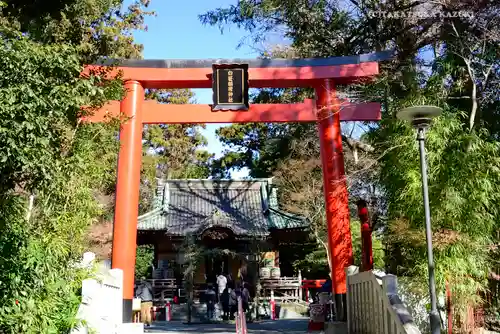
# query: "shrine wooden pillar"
[[127, 191], [335, 191]]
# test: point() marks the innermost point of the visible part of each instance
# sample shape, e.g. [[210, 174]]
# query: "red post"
[[449, 308], [366, 237], [335, 191], [273, 309], [272, 304], [127, 192], [168, 311]]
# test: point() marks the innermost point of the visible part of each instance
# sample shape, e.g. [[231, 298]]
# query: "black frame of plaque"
[[216, 88]]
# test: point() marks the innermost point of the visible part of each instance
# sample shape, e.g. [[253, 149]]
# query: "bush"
[[46, 153]]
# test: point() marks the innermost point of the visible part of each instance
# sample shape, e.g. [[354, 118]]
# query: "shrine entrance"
[[230, 80], [215, 265], [217, 238]]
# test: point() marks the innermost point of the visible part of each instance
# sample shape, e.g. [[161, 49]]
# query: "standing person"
[[233, 302], [245, 297], [242, 272], [221, 285], [224, 298], [145, 293], [210, 300], [327, 286]]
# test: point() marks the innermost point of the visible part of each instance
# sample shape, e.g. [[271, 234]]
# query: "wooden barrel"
[[275, 273], [265, 272]]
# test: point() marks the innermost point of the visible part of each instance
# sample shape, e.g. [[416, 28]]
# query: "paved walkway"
[[289, 326]]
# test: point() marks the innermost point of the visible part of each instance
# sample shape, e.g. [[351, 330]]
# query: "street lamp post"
[[421, 118]]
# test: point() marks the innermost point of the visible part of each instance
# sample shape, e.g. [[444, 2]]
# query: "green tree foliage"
[[451, 62], [260, 146], [46, 153], [53, 166], [32, 144], [172, 151], [300, 180], [143, 261], [178, 147], [314, 263], [96, 27], [463, 190]]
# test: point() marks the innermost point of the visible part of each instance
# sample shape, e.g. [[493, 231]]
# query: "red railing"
[[311, 284]]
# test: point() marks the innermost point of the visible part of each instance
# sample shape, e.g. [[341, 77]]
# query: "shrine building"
[[241, 216]]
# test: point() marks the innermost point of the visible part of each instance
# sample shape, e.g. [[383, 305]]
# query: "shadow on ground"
[[289, 326]]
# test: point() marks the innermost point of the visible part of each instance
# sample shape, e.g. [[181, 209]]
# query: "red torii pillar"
[[319, 73], [335, 191], [127, 191]]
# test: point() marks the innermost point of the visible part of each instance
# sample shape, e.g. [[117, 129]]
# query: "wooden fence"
[[376, 309]]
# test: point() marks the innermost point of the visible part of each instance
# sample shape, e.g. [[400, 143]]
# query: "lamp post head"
[[419, 116]]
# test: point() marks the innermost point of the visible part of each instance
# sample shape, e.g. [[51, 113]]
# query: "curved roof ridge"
[[217, 180], [288, 215]]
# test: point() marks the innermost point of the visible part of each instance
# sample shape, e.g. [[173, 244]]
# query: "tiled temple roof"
[[247, 207]]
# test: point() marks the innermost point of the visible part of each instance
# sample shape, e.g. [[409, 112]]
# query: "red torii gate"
[[327, 110]]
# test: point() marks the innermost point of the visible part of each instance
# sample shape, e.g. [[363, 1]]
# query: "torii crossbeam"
[[327, 110]]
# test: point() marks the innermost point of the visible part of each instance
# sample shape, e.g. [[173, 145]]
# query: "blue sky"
[[176, 33]]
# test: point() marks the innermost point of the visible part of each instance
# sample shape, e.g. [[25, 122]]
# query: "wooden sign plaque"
[[230, 87]]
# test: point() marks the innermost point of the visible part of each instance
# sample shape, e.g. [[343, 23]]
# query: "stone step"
[[336, 327], [198, 312]]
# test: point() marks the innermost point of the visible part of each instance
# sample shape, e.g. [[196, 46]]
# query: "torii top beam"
[[274, 73]]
